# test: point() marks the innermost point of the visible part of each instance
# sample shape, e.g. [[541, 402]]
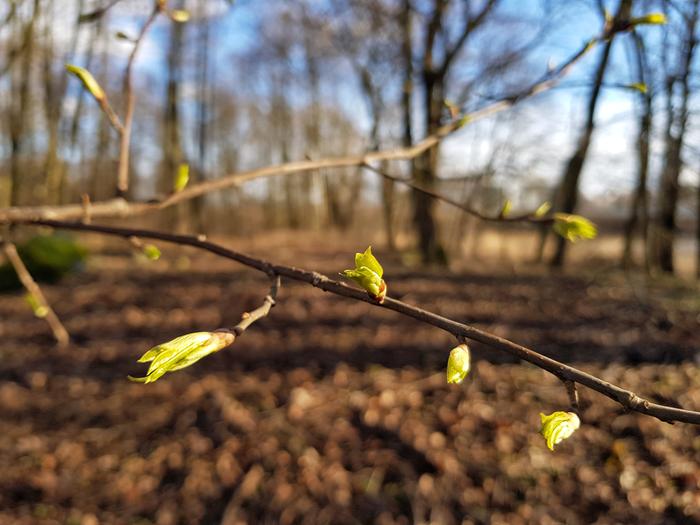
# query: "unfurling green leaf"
[[638, 86], [505, 211], [151, 251], [543, 209], [182, 177], [458, 364], [650, 19], [574, 227], [88, 81], [179, 15], [182, 352], [368, 274], [558, 426], [39, 309]]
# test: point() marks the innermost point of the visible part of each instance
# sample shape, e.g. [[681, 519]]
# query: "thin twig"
[[629, 400], [248, 318], [112, 116], [125, 142], [526, 217], [98, 13], [59, 331], [572, 392]]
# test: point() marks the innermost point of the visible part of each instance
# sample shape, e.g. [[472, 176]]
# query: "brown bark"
[[574, 167], [639, 212], [434, 74], [173, 154], [669, 188], [19, 112]]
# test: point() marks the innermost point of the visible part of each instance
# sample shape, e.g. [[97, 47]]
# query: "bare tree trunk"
[[697, 235], [173, 155], [668, 189], [19, 112], [424, 174], [388, 199], [197, 209], [439, 53], [569, 184], [639, 213]]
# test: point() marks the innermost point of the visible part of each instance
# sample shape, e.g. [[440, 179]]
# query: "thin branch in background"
[[96, 14], [112, 116], [120, 207], [527, 217], [59, 331], [628, 399], [125, 143]]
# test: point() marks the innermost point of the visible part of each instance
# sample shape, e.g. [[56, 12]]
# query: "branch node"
[[572, 392]]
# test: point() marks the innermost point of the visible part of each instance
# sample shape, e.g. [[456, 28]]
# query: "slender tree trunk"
[[388, 200], [20, 112], [639, 213], [173, 155], [425, 173], [197, 208], [697, 235], [669, 189], [569, 184]]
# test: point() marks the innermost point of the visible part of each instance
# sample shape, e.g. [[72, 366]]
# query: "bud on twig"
[[182, 352], [458, 364], [88, 81], [558, 426], [368, 274], [574, 227]]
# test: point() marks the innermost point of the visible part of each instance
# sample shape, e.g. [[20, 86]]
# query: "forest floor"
[[333, 411]]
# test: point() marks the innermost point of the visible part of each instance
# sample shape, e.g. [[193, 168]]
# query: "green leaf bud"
[[182, 352], [558, 426], [458, 364]]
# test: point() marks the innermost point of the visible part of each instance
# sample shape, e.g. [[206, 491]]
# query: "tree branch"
[[248, 318], [629, 400], [526, 217], [59, 331], [125, 141], [120, 207]]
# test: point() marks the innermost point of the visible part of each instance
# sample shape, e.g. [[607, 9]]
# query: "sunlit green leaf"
[[638, 86], [369, 260], [458, 364], [543, 209], [368, 274], [39, 309], [574, 227], [558, 426], [182, 352], [182, 177], [151, 251], [507, 207], [88, 81], [649, 19]]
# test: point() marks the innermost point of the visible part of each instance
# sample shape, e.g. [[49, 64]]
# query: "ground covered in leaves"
[[331, 411]]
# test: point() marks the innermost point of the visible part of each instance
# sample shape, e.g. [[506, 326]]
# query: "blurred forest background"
[[331, 411], [255, 83]]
